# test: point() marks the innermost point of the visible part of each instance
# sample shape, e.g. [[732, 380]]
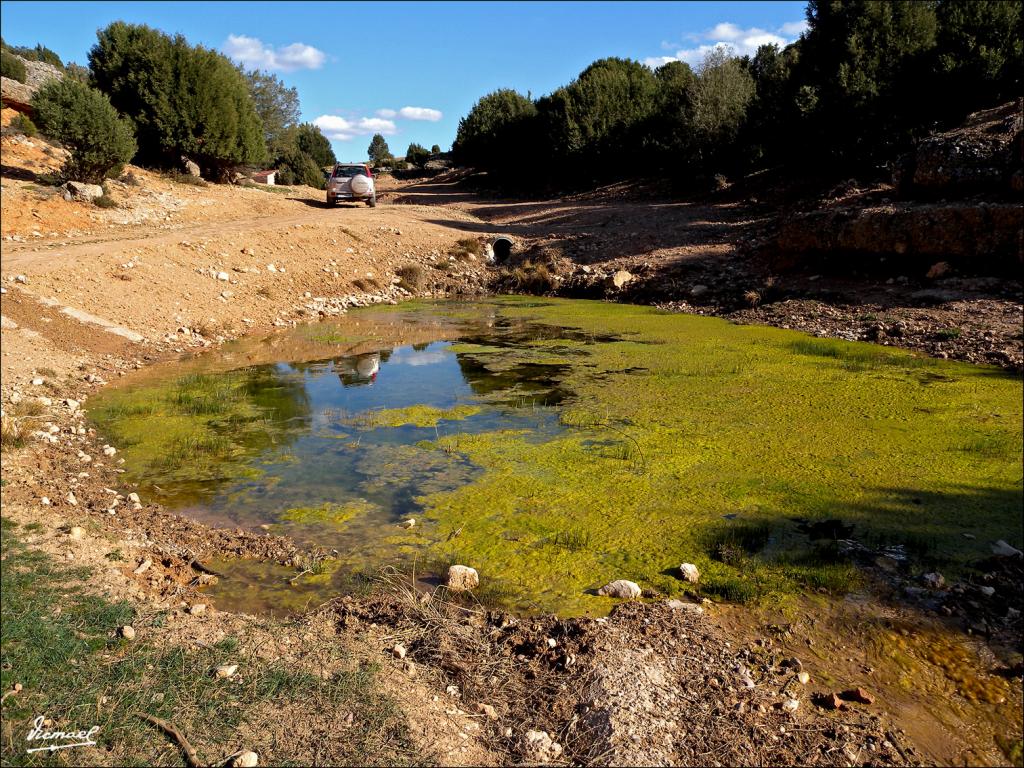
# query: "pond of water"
[[555, 445]]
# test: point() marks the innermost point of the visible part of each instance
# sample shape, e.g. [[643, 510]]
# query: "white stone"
[[109, 450], [539, 747], [226, 670], [246, 760], [127, 632], [462, 578], [398, 651], [487, 710], [197, 609], [143, 567], [689, 572], [134, 498], [987, 591], [77, 533], [621, 588], [1003, 549], [37, 382], [803, 677], [682, 605], [791, 705], [410, 523], [70, 498], [223, 276]]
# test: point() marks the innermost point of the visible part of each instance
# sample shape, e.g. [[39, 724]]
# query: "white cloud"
[[793, 28], [339, 128], [253, 52], [739, 41], [420, 113], [724, 31], [386, 113], [657, 61]]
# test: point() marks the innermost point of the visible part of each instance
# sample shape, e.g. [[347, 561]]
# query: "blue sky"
[[410, 70]]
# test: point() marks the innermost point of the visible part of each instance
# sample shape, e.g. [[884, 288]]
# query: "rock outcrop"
[[983, 155], [17, 95]]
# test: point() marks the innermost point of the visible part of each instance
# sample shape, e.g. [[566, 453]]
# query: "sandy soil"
[[91, 293]]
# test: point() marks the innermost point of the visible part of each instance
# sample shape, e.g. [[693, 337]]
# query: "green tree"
[[83, 120], [311, 140], [278, 108], [486, 135], [184, 100], [297, 167], [436, 149], [861, 67], [417, 155], [718, 104], [11, 66], [979, 54], [378, 151]]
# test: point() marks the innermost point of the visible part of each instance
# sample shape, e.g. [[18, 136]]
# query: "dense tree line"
[[178, 101], [864, 80]]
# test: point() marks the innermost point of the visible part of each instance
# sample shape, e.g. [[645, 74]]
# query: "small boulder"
[[619, 279], [226, 670], [462, 578], [689, 572], [77, 533], [628, 590], [76, 191], [1002, 549], [191, 168], [791, 705], [127, 632], [699, 290], [858, 695], [539, 747], [487, 710], [197, 609], [143, 567], [246, 759], [934, 580], [399, 651]]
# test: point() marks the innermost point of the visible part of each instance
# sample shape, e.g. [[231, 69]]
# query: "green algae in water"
[[599, 441], [416, 415]]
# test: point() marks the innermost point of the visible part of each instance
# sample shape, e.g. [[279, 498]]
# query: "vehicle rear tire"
[[372, 202]]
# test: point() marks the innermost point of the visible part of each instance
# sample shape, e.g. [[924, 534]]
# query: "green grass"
[[60, 644]]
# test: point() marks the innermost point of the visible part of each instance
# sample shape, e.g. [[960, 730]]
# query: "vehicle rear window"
[[348, 171]]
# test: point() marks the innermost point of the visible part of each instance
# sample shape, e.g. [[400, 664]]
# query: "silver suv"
[[351, 181]]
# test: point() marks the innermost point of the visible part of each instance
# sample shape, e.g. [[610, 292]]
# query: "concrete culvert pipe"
[[502, 249]]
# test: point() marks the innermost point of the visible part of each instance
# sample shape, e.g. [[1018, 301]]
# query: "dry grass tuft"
[[412, 276]]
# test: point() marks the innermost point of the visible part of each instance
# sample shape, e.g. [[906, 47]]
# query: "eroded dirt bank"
[[90, 296]]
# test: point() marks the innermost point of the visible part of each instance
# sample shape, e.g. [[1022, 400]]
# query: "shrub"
[[411, 276], [24, 124], [105, 201], [11, 66], [417, 155], [184, 99], [83, 120]]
